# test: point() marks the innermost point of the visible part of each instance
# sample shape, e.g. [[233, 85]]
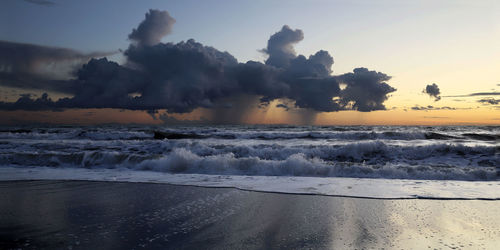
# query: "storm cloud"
[[365, 90], [433, 91], [180, 77]]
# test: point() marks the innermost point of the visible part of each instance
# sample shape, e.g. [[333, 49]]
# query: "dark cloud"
[[150, 31], [489, 101], [41, 2], [433, 91], [34, 67], [180, 77], [183, 76], [29, 58], [365, 90], [33, 81], [25, 102]]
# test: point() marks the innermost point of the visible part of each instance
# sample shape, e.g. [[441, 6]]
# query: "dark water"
[[445, 152]]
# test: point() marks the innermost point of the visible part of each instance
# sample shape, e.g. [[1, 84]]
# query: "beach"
[[249, 125], [115, 215]]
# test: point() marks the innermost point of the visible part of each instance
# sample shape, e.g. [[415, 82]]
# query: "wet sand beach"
[[113, 215]]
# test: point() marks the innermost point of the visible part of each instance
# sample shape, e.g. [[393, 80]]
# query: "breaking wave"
[[254, 153]]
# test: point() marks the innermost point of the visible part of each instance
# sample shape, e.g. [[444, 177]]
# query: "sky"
[[400, 48]]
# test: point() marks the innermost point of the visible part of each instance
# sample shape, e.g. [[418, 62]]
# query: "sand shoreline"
[[260, 191], [112, 215], [329, 186]]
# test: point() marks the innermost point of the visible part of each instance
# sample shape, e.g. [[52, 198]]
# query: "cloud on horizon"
[[188, 75], [491, 101], [430, 107]]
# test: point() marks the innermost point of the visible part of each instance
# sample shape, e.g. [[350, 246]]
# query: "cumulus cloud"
[[433, 91], [280, 46], [365, 90], [181, 77], [155, 26]]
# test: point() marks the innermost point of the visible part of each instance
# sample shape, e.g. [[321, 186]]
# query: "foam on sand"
[[349, 187]]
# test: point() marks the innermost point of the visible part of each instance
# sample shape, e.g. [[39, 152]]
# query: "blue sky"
[[347, 28]]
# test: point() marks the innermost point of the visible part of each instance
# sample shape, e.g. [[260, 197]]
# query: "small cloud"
[[491, 101], [284, 106], [430, 107], [433, 91]]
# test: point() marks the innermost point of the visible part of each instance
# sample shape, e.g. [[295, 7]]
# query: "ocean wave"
[[451, 153], [61, 134], [255, 133], [374, 159], [184, 161]]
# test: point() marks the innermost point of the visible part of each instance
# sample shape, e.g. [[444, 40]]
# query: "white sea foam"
[[423, 153], [350, 187]]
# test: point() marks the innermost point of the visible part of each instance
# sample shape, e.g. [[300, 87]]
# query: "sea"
[[249, 156]]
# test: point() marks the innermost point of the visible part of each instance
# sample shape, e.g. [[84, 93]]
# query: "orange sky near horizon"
[[270, 115]]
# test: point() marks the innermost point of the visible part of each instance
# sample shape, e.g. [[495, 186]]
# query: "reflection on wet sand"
[[89, 215]]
